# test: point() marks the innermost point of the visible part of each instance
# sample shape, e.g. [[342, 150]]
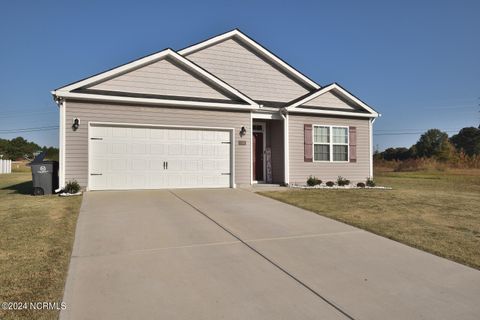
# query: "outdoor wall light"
[[76, 124], [243, 132]]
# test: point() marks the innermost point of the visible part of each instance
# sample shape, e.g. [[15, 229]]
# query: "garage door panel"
[[97, 147], [193, 135], [139, 181], [139, 133], [139, 165], [133, 158], [175, 134], [138, 148], [208, 150], [175, 149], [222, 135], [192, 150], [99, 165], [157, 134], [156, 180], [119, 148], [222, 151], [156, 148]]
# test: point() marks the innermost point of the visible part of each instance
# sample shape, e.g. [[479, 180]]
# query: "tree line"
[[437, 145], [22, 149]]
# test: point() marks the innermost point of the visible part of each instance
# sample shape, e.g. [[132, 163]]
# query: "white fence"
[[5, 166]]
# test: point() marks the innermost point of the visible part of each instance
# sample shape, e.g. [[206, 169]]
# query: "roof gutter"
[[152, 101], [285, 111]]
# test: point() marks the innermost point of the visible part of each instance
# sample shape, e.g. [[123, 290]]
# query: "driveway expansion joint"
[[332, 304], [154, 250], [305, 236]]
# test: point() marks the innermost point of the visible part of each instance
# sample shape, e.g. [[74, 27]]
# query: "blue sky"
[[416, 62]]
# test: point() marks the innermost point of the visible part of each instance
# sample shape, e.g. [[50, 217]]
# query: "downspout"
[[371, 121], [286, 163], [61, 143]]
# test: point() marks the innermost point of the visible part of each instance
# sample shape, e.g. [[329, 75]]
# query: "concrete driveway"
[[231, 254]]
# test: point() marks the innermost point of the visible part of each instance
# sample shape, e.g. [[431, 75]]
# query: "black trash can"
[[44, 176]]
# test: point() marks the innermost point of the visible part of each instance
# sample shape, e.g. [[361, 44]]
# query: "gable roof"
[[79, 89], [255, 46], [363, 110]]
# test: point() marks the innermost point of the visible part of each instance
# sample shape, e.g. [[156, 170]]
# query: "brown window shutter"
[[352, 132], [307, 131]]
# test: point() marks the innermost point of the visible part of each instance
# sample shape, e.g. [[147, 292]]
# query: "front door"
[[257, 156]]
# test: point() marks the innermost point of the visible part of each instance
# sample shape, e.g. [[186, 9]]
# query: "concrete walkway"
[[232, 254]]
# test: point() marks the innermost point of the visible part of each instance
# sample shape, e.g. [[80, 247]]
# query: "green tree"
[[434, 143], [52, 153], [401, 153], [18, 148], [467, 140]]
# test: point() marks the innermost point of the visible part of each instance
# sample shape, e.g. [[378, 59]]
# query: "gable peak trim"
[[297, 103], [136, 64], [236, 33]]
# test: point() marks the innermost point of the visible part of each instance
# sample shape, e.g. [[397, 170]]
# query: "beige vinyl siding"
[[300, 170], [163, 77], [329, 100], [76, 142], [246, 71]]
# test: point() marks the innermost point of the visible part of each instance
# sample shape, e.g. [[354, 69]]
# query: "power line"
[[26, 110], [23, 115], [18, 130], [418, 129], [405, 133]]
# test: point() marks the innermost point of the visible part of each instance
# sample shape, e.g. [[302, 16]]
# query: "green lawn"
[[438, 212], [36, 240]]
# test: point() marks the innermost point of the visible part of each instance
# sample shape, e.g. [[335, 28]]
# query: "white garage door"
[[151, 158]]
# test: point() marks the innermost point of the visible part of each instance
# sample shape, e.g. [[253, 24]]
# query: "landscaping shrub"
[[361, 185], [330, 183], [72, 187], [313, 181], [370, 182], [341, 181]]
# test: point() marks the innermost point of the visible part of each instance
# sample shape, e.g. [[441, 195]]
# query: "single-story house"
[[220, 113]]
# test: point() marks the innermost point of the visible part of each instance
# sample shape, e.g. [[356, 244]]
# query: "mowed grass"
[[36, 237], [438, 212]]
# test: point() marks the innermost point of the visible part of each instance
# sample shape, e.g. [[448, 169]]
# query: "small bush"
[[313, 181], [361, 185], [72, 187], [341, 181], [370, 182], [330, 183]]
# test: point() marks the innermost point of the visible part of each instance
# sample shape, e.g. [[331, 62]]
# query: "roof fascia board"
[[327, 89], [309, 97], [336, 113], [276, 60], [355, 99], [152, 101]]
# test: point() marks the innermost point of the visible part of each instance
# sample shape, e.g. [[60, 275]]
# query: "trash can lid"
[[39, 158]]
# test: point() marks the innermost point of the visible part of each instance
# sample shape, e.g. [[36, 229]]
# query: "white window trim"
[[330, 143]]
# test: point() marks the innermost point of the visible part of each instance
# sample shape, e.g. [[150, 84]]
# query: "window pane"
[[321, 135], [321, 152], [340, 153], [340, 135]]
